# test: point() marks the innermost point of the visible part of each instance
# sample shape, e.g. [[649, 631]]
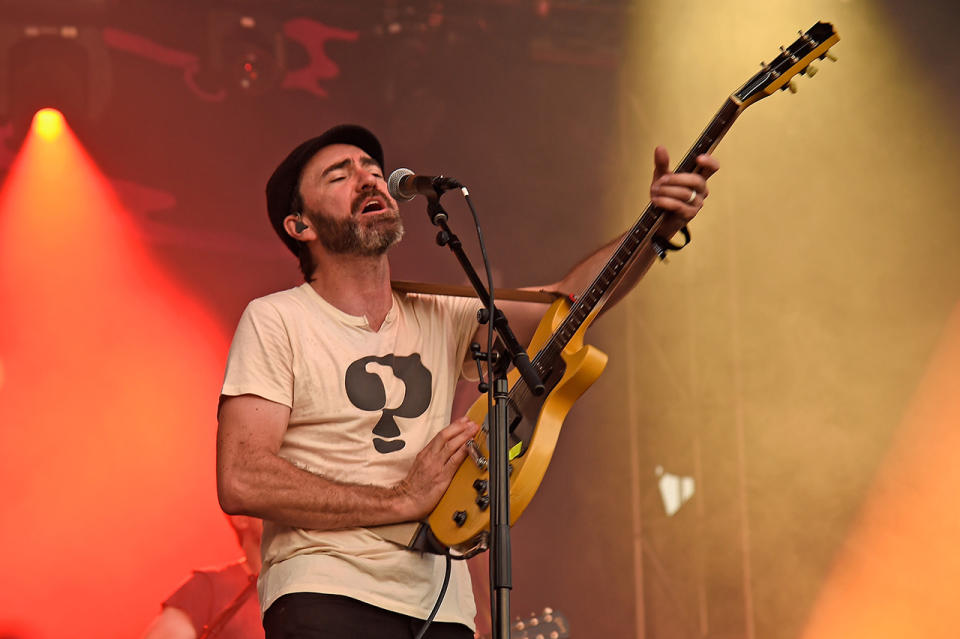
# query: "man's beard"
[[354, 236]]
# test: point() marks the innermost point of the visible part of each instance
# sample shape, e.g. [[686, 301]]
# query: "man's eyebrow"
[[345, 163], [342, 164]]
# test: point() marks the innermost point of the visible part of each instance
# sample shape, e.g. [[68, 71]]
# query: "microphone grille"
[[393, 184]]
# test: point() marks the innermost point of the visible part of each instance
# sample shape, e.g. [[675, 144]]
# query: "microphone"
[[404, 184]]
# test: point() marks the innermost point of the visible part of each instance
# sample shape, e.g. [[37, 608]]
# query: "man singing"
[[335, 408]]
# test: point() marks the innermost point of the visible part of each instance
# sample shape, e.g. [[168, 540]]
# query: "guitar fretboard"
[[638, 237]]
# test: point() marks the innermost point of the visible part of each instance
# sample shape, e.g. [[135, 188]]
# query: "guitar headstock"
[[796, 59], [549, 624]]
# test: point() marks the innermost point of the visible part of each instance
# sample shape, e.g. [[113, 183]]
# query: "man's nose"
[[366, 178]]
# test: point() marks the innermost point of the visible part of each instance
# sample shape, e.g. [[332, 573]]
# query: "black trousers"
[[308, 615]]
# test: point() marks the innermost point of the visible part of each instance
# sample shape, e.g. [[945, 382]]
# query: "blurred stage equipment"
[[65, 66], [245, 53], [584, 33]]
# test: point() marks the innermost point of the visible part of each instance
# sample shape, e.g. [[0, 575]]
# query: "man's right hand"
[[434, 467]]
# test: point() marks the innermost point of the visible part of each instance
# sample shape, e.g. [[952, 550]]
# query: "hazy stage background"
[[795, 364]]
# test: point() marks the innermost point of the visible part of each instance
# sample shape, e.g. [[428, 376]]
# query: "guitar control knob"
[[460, 517], [480, 485], [483, 502]]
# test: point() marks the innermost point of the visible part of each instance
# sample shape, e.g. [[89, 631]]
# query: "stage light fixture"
[[245, 53], [61, 66]]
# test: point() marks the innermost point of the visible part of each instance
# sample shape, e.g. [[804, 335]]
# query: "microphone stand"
[[501, 578]]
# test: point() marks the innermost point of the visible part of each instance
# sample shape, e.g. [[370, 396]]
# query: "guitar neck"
[[795, 59], [591, 301]]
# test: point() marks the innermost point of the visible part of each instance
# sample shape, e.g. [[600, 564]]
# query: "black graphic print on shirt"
[[366, 391]]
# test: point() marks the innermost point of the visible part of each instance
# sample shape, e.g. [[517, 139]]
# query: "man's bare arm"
[[252, 479], [669, 191]]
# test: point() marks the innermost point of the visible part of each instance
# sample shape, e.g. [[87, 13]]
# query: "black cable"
[[491, 309], [436, 606], [490, 301]]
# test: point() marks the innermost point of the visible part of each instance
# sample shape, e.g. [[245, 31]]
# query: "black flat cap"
[[283, 183]]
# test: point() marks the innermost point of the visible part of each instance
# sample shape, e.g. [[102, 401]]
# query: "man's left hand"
[[680, 193]]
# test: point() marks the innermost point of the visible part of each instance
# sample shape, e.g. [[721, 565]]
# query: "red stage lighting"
[[108, 397]]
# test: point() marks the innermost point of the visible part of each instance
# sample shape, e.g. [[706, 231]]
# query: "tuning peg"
[[792, 85], [830, 56], [811, 70]]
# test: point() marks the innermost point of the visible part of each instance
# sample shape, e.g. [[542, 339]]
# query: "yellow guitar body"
[[584, 364]]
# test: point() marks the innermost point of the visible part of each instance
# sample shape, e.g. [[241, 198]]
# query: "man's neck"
[[357, 286]]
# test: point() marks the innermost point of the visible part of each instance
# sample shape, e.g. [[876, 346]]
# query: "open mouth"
[[373, 206]]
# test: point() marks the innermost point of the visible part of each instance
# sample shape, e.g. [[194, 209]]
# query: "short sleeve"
[[260, 361], [463, 314], [195, 598]]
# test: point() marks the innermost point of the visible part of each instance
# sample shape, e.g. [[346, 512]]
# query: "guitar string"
[[520, 392]]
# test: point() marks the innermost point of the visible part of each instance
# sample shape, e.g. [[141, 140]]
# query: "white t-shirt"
[[363, 404]]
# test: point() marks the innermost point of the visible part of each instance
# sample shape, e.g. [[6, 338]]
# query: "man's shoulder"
[[455, 313], [435, 303], [286, 299]]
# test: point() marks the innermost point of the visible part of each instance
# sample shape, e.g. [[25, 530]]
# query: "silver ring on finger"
[[693, 196]]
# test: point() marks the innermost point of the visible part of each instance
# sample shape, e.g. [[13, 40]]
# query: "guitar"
[[547, 625], [461, 520]]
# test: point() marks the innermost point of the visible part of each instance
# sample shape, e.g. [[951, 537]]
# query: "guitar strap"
[[512, 294], [661, 244]]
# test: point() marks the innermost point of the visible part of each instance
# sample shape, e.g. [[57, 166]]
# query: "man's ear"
[[297, 228]]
